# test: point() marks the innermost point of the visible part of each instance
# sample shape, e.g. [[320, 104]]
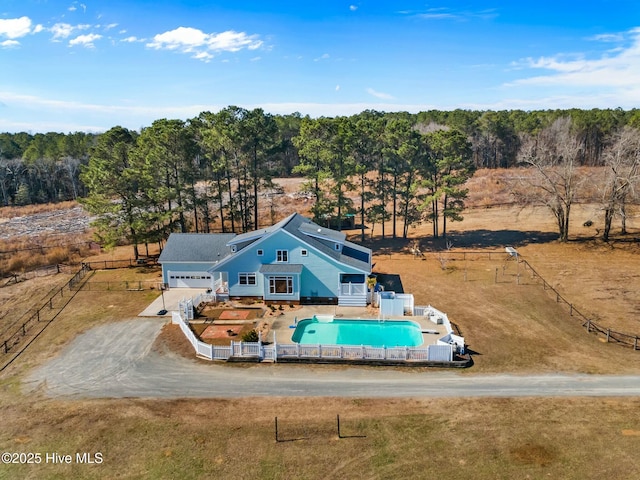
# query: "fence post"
[[608, 334], [635, 343], [6, 347], [571, 309], [588, 326]]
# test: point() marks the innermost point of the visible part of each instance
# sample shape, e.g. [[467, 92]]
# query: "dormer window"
[[282, 256]]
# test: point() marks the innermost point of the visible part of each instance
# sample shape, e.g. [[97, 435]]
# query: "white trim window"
[[282, 256], [281, 285], [247, 278]]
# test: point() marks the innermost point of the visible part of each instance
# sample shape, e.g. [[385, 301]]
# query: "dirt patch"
[[221, 331], [533, 454], [171, 339], [217, 313], [234, 315], [219, 334]]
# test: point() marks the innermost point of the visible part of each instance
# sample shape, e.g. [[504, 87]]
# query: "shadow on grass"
[[499, 238], [471, 239], [390, 281]]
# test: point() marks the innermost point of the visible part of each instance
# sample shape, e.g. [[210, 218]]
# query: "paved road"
[[117, 360]]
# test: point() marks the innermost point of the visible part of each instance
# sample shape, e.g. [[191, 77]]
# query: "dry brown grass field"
[[511, 326]]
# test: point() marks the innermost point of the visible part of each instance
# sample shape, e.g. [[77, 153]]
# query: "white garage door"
[[189, 280]]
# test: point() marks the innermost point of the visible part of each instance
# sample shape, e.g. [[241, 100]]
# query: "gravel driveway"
[[116, 360]]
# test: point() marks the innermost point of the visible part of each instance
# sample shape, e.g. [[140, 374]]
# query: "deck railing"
[[438, 317], [353, 289]]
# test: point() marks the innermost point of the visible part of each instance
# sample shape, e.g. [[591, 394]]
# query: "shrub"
[[251, 336]]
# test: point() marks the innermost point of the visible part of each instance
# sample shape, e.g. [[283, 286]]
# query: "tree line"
[[215, 170]]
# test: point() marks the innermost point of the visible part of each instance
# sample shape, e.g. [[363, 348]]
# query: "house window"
[[304, 253], [233, 248], [282, 256], [337, 246], [247, 278], [281, 285], [260, 252]]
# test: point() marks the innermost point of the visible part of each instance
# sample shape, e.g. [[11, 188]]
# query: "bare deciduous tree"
[[553, 156], [622, 160]]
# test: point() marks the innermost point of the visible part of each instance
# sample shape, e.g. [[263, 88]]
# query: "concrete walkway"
[[117, 360], [170, 301]]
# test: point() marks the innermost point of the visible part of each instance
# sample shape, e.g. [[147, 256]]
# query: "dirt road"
[[117, 360]]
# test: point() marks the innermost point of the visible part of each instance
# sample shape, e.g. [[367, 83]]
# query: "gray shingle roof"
[[297, 225], [196, 247], [310, 228], [281, 268], [256, 234]]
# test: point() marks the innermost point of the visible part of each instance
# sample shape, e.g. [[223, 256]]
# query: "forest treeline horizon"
[[402, 167]]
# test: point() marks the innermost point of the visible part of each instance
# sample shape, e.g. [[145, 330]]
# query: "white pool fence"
[[443, 351]]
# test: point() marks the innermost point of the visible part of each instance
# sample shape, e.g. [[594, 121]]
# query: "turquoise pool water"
[[373, 333]]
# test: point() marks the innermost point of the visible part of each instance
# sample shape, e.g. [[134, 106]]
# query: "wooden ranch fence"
[[33, 322], [625, 339]]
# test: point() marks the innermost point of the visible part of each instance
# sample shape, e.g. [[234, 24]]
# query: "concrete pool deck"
[[282, 325], [281, 321]]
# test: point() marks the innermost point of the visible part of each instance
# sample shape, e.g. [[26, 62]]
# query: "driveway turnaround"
[[117, 360]]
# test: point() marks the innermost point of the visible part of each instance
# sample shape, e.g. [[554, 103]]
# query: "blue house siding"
[[319, 277], [298, 261]]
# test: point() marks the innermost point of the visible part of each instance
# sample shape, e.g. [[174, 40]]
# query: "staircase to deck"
[[352, 301]]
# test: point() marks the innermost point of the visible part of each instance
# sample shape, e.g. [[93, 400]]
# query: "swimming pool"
[[344, 331]]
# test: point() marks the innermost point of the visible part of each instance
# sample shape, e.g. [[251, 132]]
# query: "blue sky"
[[90, 65]]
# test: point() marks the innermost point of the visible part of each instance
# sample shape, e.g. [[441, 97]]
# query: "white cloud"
[[324, 56], [131, 39], [15, 27], [73, 7], [443, 13], [64, 30], [615, 69], [61, 30], [337, 88], [384, 96], [204, 56], [85, 40], [204, 45], [9, 43], [608, 37], [353, 8]]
